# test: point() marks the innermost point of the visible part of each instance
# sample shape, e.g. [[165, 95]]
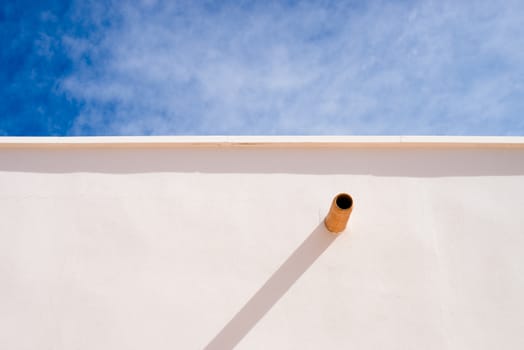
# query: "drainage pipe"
[[338, 216]]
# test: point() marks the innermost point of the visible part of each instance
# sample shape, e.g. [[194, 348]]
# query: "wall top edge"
[[261, 141]]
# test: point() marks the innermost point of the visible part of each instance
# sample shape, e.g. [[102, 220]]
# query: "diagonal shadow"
[[274, 288]]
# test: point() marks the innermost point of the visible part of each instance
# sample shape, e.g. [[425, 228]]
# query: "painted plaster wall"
[[194, 247]]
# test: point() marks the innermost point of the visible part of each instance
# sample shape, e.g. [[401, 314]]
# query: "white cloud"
[[407, 68]]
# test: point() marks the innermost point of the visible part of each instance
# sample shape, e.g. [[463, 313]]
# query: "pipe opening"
[[344, 201]]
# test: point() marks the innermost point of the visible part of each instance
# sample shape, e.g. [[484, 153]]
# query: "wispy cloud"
[[316, 67]]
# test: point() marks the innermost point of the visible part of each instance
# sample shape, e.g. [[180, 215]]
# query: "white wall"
[[188, 246]]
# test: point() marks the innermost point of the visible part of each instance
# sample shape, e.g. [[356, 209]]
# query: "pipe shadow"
[[274, 288]]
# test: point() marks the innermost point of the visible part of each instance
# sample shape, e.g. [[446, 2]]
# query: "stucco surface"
[[209, 247]]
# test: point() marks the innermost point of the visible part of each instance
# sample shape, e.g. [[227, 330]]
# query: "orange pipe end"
[[338, 216]]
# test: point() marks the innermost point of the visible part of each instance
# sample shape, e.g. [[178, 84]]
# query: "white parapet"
[[214, 242]]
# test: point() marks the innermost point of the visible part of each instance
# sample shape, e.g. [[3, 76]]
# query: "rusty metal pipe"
[[338, 216]]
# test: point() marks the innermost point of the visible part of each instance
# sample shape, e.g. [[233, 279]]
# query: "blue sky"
[[264, 68]]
